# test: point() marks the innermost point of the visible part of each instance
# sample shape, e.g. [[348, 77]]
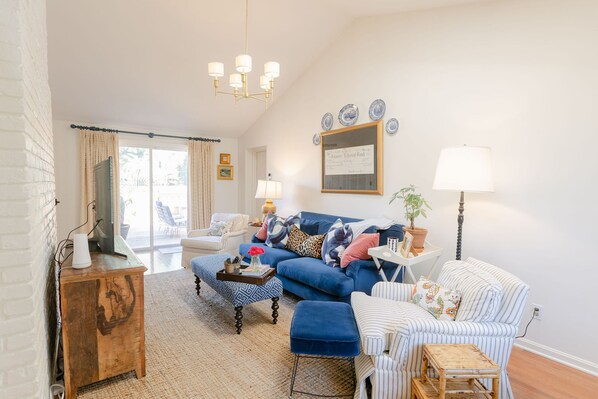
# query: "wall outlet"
[[538, 311]]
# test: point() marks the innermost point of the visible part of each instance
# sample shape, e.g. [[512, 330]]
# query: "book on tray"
[[260, 272]]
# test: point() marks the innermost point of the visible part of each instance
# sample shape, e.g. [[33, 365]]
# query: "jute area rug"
[[193, 351]]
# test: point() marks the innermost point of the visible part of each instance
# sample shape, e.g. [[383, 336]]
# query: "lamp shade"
[[464, 168], [243, 63], [268, 189], [216, 69], [235, 80], [272, 69]]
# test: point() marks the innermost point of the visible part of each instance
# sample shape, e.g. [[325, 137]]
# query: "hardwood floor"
[[533, 376]]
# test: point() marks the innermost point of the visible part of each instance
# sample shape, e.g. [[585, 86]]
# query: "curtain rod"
[[150, 134]]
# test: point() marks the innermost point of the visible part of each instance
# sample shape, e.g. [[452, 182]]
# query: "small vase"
[[255, 264]]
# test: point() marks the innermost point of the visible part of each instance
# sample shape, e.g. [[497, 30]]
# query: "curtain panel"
[[94, 148], [200, 184]]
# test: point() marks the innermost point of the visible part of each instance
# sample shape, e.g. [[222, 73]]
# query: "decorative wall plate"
[[348, 115], [327, 121], [316, 139], [392, 126], [377, 109]]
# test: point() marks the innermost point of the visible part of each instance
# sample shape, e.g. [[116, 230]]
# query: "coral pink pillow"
[[262, 233], [359, 248]]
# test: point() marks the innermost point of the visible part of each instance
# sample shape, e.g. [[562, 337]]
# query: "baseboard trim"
[[558, 356]]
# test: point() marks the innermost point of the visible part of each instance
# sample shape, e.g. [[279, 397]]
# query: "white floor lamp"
[[464, 169]]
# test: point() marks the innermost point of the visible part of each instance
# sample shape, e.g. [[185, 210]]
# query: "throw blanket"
[[379, 223]]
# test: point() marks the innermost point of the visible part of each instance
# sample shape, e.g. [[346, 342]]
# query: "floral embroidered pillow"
[[219, 228], [441, 302]]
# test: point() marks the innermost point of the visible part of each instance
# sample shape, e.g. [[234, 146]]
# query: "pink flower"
[[255, 251]]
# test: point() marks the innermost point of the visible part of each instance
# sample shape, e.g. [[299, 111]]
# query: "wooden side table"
[[460, 368]]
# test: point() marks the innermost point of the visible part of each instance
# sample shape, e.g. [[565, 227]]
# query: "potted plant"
[[415, 205]]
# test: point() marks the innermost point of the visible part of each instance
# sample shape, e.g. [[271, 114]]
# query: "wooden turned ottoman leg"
[[274, 310], [197, 287], [239, 318]]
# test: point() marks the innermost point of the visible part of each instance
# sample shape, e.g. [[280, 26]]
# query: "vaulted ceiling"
[[144, 62]]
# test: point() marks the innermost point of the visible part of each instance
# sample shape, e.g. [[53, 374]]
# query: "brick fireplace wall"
[[27, 211]]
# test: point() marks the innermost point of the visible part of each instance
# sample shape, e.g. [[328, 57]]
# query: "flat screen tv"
[[104, 211]]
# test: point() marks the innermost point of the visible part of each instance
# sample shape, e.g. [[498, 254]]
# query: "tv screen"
[[104, 212]]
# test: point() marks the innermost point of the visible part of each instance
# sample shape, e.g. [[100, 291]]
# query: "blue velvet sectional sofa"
[[311, 278]]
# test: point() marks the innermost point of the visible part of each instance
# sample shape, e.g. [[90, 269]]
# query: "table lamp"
[[464, 169], [268, 190]]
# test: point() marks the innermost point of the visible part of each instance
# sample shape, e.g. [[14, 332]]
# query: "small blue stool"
[[323, 329]]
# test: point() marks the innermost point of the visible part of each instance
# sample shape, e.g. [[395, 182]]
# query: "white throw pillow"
[[481, 293]]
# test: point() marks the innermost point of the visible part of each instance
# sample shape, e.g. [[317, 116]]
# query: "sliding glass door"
[[153, 189]]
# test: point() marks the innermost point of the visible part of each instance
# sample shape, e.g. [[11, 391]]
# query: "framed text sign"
[[352, 160]]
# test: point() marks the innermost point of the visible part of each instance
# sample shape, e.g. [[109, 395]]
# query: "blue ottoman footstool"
[[239, 294], [323, 329]]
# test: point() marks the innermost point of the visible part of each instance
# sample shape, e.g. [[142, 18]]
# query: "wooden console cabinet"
[[102, 318]]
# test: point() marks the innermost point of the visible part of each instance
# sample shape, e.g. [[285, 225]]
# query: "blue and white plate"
[[377, 109], [327, 121], [392, 126], [316, 139], [348, 115]]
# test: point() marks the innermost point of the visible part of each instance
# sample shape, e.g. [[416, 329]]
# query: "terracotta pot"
[[419, 237]]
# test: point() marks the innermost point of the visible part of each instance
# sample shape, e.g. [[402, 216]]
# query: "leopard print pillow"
[[295, 239], [312, 247]]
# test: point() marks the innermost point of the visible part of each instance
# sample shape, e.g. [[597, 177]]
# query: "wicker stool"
[[322, 329]]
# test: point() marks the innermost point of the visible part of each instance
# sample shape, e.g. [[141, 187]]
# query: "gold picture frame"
[[352, 159], [406, 244], [224, 159], [225, 172]]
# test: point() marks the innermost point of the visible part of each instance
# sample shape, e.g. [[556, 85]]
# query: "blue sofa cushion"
[[309, 226], [271, 256], [322, 328], [316, 274]]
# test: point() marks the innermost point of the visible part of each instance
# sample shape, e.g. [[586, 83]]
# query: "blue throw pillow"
[[337, 240], [279, 229]]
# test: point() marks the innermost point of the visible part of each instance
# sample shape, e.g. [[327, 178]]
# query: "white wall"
[[66, 149], [27, 215], [518, 76]]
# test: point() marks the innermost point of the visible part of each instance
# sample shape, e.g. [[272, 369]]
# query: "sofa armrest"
[[414, 332], [197, 233], [234, 233], [394, 291]]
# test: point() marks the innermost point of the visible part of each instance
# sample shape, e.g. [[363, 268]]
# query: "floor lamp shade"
[[268, 190], [464, 169]]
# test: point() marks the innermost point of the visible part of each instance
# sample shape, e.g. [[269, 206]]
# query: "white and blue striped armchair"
[[393, 330]]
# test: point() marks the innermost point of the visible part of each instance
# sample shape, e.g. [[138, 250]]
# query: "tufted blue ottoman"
[[239, 294], [323, 329]]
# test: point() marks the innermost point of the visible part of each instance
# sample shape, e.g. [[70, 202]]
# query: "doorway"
[[153, 191], [256, 170]]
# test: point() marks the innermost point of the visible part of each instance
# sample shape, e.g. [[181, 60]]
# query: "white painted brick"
[[16, 275], [13, 208], [14, 258], [20, 375], [14, 291], [23, 391], [20, 341], [15, 241], [17, 359], [20, 307]]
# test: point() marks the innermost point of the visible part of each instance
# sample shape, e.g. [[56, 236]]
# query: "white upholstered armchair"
[[200, 243], [393, 330]]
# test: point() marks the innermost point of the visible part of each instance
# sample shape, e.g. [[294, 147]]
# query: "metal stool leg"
[[293, 375], [296, 367]]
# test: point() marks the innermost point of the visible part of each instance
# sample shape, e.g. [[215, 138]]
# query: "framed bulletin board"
[[352, 160]]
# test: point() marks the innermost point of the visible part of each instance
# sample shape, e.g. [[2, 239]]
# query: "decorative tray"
[[239, 278]]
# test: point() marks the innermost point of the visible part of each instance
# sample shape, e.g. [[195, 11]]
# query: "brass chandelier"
[[238, 81]]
